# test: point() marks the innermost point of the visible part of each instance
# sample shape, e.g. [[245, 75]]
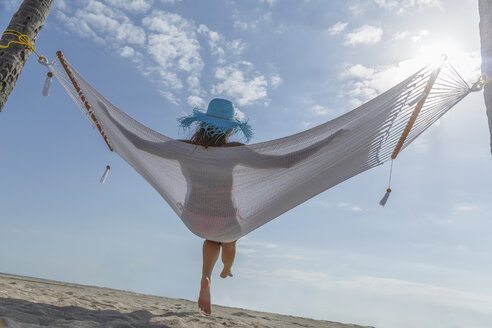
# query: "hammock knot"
[[482, 81], [22, 39]]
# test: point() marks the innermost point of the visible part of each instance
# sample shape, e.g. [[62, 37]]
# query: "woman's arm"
[[233, 144], [262, 161], [163, 149]]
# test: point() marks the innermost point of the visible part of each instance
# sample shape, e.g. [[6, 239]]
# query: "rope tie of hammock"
[[82, 97], [22, 39], [409, 126], [482, 81]]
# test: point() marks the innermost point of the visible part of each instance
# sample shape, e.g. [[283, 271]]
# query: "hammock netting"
[[222, 194]]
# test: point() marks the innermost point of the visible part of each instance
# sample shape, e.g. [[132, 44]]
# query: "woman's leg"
[[228, 255], [211, 252]]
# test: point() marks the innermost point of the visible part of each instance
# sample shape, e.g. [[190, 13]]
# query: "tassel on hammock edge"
[[105, 175], [383, 200], [47, 84]]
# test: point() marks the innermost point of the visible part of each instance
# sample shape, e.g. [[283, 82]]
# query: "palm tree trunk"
[[485, 10], [29, 20]]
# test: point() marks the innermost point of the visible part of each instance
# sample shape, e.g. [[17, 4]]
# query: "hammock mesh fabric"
[[222, 194]]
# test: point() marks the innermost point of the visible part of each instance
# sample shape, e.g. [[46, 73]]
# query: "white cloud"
[[401, 35], [240, 82], [214, 40], [422, 34], [415, 291], [324, 203], [218, 44], [284, 256], [319, 110], [193, 82], [356, 9], [304, 125], [467, 208], [387, 3], [172, 40], [402, 5], [337, 28], [241, 25], [245, 24], [236, 46], [245, 241], [167, 49], [172, 44], [368, 82], [239, 114], [79, 27], [137, 6], [60, 5], [366, 34], [269, 2], [102, 24], [265, 249], [196, 101], [377, 301], [364, 83], [348, 206], [246, 251], [127, 52], [358, 71], [275, 80]]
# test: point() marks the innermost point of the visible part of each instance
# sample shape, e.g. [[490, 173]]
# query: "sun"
[[467, 63], [436, 52]]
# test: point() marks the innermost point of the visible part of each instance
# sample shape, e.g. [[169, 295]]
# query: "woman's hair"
[[202, 138]]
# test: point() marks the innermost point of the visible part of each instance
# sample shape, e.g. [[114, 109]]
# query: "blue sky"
[[424, 260]]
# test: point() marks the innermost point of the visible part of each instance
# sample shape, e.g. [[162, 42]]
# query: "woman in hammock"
[[209, 210], [213, 130]]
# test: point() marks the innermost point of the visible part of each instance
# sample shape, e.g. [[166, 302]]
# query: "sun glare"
[[434, 53], [467, 63]]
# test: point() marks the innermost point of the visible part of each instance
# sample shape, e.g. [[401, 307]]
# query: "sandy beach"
[[29, 302]]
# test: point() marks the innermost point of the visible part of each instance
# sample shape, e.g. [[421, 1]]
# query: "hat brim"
[[216, 125]]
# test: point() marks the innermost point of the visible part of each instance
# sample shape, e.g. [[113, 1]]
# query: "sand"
[[29, 302]]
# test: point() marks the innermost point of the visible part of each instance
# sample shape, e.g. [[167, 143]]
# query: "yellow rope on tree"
[[21, 39], [482, 81]]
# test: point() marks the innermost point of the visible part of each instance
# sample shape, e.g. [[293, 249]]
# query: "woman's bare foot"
[[204, 302], [226, 272]]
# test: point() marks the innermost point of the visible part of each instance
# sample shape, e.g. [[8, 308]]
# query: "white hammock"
[[222, 194]]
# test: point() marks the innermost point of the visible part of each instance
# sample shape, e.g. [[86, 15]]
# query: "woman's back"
[[206, 191]]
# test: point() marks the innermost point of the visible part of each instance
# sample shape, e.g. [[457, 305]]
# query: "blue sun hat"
[[219, 118]]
